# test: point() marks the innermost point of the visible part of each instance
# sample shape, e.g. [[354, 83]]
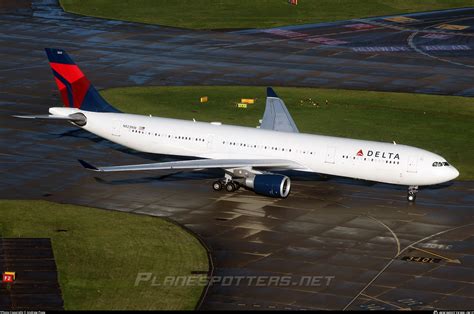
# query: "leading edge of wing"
[[199, 164]]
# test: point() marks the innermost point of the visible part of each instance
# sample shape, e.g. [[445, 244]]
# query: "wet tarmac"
[[378, 251]]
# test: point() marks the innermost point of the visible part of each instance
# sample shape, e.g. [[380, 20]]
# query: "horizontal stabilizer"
[[46, 116], [77, 118]]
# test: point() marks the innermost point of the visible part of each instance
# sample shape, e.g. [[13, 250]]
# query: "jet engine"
[[274, 185]]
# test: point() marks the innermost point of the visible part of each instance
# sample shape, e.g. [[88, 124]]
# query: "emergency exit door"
[[330, 155]]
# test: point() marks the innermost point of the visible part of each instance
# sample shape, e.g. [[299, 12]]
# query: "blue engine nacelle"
[[274, 185]]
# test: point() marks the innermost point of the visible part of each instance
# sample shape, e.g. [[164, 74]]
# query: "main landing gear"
[[227, 183], [412, 190]]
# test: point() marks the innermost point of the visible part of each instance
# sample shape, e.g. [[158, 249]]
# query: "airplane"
[[250, 157]]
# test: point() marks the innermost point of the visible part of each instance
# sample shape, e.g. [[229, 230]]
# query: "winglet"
[[88, 165], [271, 92]]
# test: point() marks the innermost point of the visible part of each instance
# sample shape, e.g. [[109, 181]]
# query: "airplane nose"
[[455, 173]]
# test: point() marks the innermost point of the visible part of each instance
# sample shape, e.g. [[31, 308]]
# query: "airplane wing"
[[200, 164], [276, 116]]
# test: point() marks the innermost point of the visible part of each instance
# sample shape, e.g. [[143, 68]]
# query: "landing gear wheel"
[[412, 190], [230, 187], [217, 185]]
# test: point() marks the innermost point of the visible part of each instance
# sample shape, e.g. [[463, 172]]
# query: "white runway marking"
[[393, 259]]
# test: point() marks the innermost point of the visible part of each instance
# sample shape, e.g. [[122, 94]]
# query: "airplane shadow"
[[168, 177]]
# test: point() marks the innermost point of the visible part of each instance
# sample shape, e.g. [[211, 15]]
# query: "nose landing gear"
[[412, 190]]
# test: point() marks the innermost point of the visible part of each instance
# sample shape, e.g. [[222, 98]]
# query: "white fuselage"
[[368, 160]]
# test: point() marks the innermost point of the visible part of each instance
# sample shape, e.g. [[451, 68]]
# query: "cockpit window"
[[440, 164], [445, 164]]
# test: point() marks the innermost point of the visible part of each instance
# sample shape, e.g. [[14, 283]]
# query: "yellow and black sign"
[[418, 259], [452, 27], [249, 101], [400, 19]]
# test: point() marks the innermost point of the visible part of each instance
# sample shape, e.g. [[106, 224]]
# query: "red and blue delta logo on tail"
[[76, 90]]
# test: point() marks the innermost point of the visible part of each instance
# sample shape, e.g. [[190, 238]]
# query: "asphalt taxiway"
[[380, 252], [34, 264]]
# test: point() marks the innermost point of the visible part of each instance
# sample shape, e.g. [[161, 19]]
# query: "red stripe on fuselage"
[[74, 76]]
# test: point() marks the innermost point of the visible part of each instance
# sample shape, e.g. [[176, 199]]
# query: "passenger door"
[[412, 164], [116, 128]]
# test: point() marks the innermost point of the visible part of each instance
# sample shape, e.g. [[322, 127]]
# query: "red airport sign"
[[8, 277]]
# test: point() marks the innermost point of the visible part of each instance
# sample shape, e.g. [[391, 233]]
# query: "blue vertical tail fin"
[[76, 90]]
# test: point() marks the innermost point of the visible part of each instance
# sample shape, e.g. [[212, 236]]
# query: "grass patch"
[[99, 256], [441, 124], [215, 14]]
